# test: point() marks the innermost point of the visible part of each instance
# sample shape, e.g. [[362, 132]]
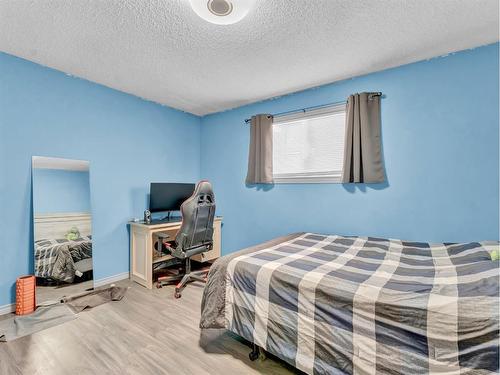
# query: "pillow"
[[73, 234]]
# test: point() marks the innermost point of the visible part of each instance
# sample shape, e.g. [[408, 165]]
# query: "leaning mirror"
[[62, 227]]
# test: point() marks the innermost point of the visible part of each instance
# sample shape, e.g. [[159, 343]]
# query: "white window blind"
[[309, 147]]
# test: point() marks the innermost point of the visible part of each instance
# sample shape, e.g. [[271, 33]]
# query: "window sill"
[[337, 179]]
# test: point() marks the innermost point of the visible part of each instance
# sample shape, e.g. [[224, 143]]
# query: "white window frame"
[[316, 177]]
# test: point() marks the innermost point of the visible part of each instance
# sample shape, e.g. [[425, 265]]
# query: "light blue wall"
[[440, 137], [46, 113], [59, 190], [440, 142]]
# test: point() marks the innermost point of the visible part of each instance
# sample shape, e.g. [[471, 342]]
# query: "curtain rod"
[[306, 109]]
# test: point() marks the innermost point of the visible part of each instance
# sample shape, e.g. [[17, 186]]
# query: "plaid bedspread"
[[352, 305], [56, 258]]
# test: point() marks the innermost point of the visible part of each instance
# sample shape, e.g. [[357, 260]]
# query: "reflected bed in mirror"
[[62, 227]]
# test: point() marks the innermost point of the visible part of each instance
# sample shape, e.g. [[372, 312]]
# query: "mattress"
[[58, 259], [357, 305]]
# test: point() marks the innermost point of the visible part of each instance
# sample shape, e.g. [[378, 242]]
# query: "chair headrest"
[[203, 187]]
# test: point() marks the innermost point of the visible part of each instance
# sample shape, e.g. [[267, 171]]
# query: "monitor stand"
[[166, 219]]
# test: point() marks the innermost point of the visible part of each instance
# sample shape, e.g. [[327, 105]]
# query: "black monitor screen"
[[168, 196]]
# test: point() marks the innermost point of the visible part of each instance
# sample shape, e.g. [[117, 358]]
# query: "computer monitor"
[[165, 197]]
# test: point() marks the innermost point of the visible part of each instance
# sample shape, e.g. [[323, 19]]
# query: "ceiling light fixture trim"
[[222, 12]]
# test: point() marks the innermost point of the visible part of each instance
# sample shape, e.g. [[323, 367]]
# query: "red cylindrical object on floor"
[[25, 295]]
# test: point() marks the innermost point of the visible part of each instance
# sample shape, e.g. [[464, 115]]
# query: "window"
[[309, 146]]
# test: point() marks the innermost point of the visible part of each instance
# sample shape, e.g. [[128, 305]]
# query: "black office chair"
[[195, 235]]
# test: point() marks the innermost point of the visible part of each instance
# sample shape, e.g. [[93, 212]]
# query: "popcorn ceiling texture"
[[162, 51]]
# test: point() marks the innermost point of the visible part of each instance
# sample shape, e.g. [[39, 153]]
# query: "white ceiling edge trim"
[[45, 162]]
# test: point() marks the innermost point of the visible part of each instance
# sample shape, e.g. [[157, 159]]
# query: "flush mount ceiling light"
[[222, 12]]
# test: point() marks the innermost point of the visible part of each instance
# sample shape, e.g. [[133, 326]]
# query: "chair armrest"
[[162, 236], [196, 250]]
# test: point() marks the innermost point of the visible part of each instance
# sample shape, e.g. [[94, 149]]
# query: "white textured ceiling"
[[162, 51]]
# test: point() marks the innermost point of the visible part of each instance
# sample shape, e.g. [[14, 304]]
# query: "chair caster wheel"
[[177, 295], [254, 354], [158, 286]]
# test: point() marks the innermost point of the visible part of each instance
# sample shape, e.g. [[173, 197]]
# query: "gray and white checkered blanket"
[[56, 258], [353, 305]]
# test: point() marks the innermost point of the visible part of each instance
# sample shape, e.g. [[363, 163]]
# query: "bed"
[[61, 259], [357, 305], [56, 257]]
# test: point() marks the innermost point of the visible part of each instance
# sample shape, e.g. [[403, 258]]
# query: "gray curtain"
[[362, 154], [260, 155]]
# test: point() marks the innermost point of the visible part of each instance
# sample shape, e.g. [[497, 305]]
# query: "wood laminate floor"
[[148, 332]]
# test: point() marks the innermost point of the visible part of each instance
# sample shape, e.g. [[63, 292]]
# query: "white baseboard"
[[111, 279], [7, 309]]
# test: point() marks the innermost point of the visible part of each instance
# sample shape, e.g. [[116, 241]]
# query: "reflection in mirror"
[[62, 227]]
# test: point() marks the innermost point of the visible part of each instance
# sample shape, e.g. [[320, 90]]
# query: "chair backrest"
[[198, 213]]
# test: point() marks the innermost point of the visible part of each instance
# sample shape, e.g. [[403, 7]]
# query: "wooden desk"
[[142, 254]]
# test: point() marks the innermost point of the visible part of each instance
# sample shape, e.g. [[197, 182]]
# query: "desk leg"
[[141, 257]]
